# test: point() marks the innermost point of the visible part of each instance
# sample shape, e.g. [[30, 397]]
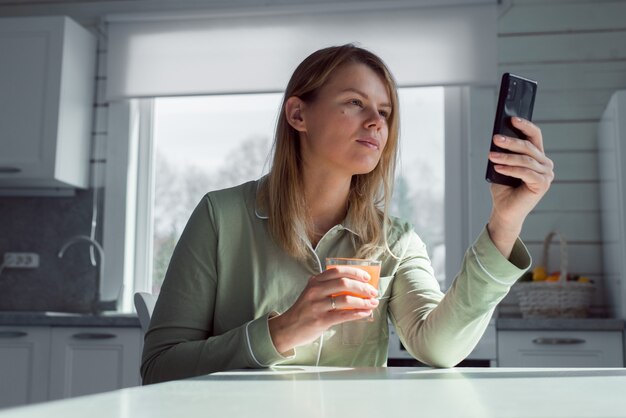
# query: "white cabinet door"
[[46, 102], [24, 368], [560, 349], [93, 360], [27, 99]]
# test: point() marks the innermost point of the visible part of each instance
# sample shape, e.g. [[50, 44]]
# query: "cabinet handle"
[[13, 334], [558, 341], [9, 170], [93, 336]]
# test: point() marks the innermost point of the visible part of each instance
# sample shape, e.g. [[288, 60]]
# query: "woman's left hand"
[[528, 163]]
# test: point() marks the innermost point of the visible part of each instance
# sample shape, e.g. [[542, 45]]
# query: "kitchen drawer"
[[41, 363], [560, 349], [93, 360], [24, 357]]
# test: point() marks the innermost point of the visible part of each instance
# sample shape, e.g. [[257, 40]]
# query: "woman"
[[246, 286]]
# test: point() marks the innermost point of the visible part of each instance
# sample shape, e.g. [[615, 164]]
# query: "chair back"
[[144, 304]]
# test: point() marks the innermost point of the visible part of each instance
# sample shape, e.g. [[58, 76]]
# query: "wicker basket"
[[559, 299]]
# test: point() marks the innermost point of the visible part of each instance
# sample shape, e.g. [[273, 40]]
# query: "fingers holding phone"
[[516, 158], [529, 130], [523, 159], [514, 111]]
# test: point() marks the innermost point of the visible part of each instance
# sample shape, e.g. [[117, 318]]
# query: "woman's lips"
[[369, 142]]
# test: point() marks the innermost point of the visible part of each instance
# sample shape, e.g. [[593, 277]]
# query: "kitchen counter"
[[362, 392], [65, 319], [560, 324]]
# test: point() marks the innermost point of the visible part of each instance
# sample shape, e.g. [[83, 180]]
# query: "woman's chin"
[[366, 165], [364, 169]]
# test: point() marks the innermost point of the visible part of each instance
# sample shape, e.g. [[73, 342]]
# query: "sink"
[[41, 313], [52, 313], [66, 314]]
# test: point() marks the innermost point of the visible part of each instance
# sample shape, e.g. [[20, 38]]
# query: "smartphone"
[[516, 98]]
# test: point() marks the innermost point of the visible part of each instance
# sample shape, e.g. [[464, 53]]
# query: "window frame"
[[127, 237]]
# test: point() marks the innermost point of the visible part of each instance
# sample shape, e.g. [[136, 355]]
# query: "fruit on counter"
[[539, 274], [554, 277]]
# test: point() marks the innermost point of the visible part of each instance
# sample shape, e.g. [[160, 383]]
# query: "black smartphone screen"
[[516, 98]]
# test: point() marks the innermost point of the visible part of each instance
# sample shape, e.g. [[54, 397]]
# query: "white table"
[[363, 392]]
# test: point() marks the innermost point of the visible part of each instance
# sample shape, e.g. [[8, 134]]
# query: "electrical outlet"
[[21, 260]]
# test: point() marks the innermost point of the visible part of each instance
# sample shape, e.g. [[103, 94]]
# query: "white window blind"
[[239, 53]]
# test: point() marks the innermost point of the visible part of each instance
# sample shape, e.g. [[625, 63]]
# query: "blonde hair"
[[370, 194]]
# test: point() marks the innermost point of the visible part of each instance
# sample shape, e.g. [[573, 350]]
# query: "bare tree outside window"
[[420, 178], [214, 142]]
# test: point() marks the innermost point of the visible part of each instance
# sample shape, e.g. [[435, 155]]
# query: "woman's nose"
[[375, 119]]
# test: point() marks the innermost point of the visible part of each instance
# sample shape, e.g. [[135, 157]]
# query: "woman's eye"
[[356, 102], [384, 114]]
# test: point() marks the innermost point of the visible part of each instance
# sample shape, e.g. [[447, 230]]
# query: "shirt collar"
[[259, 209], [261, 213]]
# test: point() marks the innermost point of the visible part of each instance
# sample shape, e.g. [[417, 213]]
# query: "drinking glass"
[[370, 266]]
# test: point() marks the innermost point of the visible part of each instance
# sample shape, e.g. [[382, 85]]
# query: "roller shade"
[[242, 54]]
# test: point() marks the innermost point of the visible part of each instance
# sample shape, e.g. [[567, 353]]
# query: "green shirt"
[[227, 276]]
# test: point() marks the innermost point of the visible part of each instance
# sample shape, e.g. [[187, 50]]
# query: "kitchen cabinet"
[[93, 360], [568, 348], [47, 363], [47, 82], [24, 368]]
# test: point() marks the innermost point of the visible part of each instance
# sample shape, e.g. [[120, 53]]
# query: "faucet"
[[97, 304]]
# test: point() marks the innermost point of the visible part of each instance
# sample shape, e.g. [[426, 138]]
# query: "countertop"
[[65, 319], [560, 324], [361, 392]]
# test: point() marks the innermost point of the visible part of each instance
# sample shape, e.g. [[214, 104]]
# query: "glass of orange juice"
[[370, 266]]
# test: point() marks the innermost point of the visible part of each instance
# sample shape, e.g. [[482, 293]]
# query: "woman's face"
[[344, 129]]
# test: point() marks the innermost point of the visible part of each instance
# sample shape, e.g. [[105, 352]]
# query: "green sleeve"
[[180, 341], [441, 330]]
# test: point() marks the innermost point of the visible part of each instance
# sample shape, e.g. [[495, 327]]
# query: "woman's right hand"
[[314, 311]]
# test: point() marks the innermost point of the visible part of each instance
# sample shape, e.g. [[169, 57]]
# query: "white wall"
[[576, 49], [577, 52]]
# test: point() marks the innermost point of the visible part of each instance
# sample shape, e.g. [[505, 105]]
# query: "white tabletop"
[[362, 392]]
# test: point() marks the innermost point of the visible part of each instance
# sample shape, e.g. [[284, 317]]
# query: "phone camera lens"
[[512, 90]]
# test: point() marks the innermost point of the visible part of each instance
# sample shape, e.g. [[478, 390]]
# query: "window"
[[211, 142], [204, 143], [420, 179], [426, 54]]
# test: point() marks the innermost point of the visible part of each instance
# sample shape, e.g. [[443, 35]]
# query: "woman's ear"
[[294, 112]]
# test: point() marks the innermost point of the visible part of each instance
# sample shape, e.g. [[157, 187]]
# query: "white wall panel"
[[571, 104], [576, 49], [570, 197], [585, 259], [550, 16], [575, 166], [569, 136], [577, 226], [587, 75], [558, 48]]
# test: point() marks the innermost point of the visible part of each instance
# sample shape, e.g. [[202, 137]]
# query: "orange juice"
[[370, 266]]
